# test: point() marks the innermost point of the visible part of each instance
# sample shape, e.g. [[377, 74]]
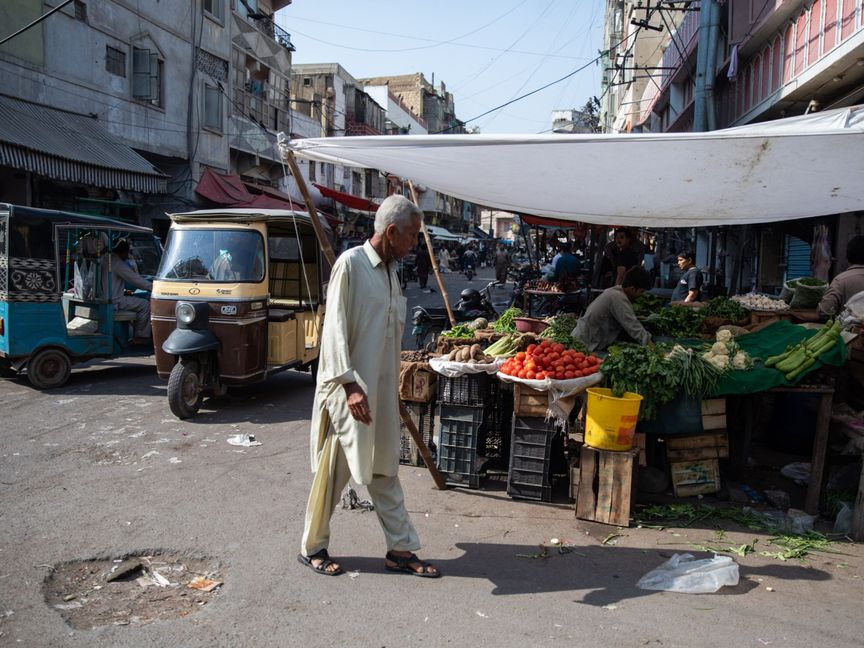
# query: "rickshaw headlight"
[[185, 313]]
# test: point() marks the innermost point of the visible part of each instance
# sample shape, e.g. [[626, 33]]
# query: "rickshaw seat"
[[287, 304], [124, 316], [279, 315]]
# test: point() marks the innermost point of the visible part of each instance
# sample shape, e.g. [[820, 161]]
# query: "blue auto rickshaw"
[[55, 291]]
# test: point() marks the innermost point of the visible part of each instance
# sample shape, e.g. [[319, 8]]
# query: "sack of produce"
[[808, 293], [788, 291]]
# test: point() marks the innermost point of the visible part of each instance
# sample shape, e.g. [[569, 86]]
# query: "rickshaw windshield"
[[218, 255]]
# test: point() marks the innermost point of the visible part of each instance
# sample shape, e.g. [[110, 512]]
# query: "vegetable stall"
[[487, 419]]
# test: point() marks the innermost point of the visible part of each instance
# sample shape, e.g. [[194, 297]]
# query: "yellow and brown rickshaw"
[[239, 295]]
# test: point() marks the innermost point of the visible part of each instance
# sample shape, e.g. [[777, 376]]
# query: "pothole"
[[133, 589]]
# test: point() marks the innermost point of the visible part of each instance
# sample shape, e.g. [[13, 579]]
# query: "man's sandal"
[[322, 567], [408, 565]]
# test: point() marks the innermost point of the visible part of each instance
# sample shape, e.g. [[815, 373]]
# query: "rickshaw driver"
[[229, 266], [121, 274]]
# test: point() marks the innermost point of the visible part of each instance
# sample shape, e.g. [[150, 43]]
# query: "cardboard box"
[[695, 477]]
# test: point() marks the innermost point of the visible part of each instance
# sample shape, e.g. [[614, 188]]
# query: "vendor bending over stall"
[[611, 314]]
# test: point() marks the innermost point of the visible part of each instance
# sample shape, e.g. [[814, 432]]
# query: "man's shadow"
[[595, 575]]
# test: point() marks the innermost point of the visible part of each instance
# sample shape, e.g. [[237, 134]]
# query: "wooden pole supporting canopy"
[[441, 286], [331, 259]]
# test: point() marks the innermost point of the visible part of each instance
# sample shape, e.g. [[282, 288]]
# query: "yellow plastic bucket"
[[610, 421]]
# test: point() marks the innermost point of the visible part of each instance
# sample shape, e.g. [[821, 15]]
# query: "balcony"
[[267, 26], [353, 127]]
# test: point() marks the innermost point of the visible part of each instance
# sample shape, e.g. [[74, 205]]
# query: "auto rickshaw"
[[56, 307], [239, 295]]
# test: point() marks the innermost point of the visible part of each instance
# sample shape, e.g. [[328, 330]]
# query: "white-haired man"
[[355, 420]]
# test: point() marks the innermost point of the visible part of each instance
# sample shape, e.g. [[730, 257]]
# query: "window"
[[147, 73], [80, 11], [312, 177], [212, 107], [307, 82], [213, 255], [215, 9], [115, 61]]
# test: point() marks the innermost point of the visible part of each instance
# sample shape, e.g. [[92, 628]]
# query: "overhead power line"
[[35, 22]]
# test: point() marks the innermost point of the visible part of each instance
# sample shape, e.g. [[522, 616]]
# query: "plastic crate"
[[530, 459], [423, 415], [496, 443], [461, 429], [470, 389]]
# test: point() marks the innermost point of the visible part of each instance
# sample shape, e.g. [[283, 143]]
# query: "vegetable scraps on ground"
[[550, 360], [643, 370], [507, 322], [799, 358]]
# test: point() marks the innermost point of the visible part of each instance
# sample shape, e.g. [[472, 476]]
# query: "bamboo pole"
[[431, 251], [331, 259], [310, 207]]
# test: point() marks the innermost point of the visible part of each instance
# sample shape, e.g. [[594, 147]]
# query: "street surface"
[[100, 468]]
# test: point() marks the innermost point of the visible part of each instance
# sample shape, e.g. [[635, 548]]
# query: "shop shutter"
[[797, 258]]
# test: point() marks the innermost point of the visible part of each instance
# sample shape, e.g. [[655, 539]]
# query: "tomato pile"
[[551, 360]]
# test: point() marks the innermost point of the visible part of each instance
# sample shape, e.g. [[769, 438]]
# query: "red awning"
[[549, 222], [354, 202], [228, 190]]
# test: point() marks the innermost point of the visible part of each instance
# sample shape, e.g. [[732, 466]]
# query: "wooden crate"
[[695, 477], [607, 485], [529, 402], [640, 442], [424, 386], [714, 414], [759, 317], [695, 448]]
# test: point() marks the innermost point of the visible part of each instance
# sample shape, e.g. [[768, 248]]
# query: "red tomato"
[[579, 356], [560, 375], [540, 375], [570, 367], [545, 344], [558, 347], [569, 375], [530, 375], [520, 355], [531, 348], [521, 374]]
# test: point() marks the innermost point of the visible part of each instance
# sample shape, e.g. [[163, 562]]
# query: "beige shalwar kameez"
[[360, 342]]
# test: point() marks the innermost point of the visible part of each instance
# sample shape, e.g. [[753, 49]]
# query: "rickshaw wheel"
[[184, 389], [49, 368]]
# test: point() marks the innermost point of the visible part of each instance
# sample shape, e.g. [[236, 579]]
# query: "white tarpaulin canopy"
[[785, 169]]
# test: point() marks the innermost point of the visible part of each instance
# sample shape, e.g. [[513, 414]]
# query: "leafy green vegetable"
[[648, 304], [643, 370], [725, 308], [458, 331], [507, 322], [810, 281], [677, 322], [560, 330]]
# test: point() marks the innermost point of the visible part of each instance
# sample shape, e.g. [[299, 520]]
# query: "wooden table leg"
[[820, 449]]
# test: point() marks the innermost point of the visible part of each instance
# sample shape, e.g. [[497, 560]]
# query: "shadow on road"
[[606, 574]]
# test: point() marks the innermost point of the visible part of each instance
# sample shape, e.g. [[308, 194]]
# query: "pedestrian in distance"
[[689, 287], [355, 419], [423, 264], [502, 265]]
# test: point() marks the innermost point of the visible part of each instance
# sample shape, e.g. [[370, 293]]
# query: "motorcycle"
[[468, 264], [429, 322]]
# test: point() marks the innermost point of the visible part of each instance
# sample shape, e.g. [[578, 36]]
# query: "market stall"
[[742, 163]]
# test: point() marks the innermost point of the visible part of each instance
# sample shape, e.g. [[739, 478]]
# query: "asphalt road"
[[100, 468]]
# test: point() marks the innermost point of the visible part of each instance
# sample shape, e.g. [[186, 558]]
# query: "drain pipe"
[[711, 63], [700, 119]]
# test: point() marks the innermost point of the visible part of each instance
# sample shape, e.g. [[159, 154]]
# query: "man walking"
[[355, 420], [502, 265]]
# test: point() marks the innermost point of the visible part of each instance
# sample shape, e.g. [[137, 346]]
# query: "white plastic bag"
[[455, 369], [843, 523], [682, 573]]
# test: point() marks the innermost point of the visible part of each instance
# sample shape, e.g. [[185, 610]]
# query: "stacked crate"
[[530, 474], [465, 405], [423, 415], [694, 460]]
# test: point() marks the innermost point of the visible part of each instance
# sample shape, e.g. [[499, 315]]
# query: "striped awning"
[[71, 147]]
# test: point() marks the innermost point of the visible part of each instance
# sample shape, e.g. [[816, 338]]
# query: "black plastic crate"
[[529, 492], [461, 430], [470, 389], [496, 444], [423, 415], [530, 475]]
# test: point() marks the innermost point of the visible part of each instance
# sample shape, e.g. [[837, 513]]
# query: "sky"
[[487, 53]]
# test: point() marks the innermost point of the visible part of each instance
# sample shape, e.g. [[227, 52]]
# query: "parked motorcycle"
[[429, 322]]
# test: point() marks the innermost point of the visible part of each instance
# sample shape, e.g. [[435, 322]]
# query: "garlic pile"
[[758, 302]]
